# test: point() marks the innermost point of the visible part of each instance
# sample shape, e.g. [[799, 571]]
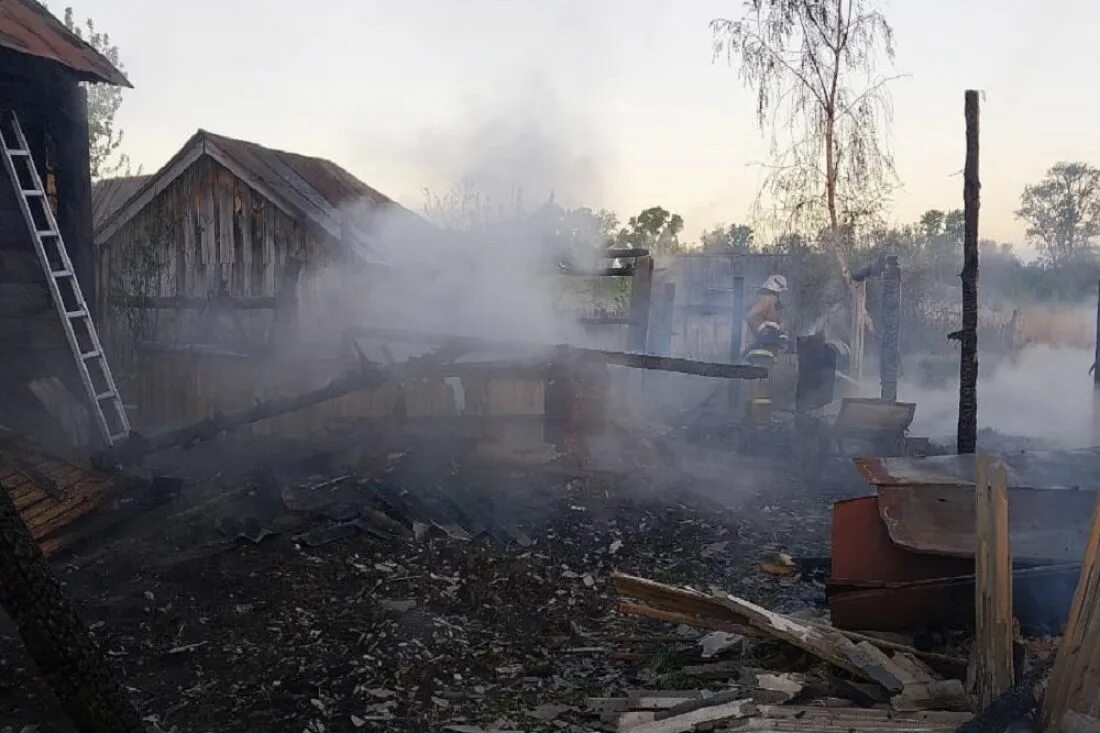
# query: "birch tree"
[[813, 67]]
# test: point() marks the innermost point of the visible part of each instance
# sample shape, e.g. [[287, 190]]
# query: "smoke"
[[1044, 394], [517, 149]]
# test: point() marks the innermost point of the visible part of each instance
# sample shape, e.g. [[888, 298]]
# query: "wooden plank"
[[992, 654], [711, 715], [674, 617], [242, 239], [1076, 674], [208, 219], [182, 161], [225, 203], [823, 642]]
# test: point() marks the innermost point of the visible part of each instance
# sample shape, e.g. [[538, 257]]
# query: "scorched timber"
[[213, 426], [618, 358], [180, 302]]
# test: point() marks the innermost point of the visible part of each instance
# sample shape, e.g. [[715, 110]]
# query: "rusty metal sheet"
[[1044, 524], [863, 414], [876, 584], [1041, 601], [864, 554], [28, 28], [1076, 469]]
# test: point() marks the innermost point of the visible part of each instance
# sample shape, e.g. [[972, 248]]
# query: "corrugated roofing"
[[109, 194], [27, 27]]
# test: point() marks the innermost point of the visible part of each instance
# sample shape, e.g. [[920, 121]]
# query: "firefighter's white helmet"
[[775, 284]]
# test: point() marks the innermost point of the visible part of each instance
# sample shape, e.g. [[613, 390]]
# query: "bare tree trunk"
[[54, 635], [968, 337]]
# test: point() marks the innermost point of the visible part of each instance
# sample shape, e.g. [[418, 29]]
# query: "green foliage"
[[732, 239], [655, 229], [812, 66], [104, 100], [1063, 211]]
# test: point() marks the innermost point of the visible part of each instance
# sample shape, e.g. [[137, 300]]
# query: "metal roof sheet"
[[27, 27]]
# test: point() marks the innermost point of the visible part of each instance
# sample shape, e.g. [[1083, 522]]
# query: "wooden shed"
[[42, 68], [213, 276]]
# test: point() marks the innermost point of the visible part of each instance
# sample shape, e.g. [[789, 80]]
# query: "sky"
[[604, 103]]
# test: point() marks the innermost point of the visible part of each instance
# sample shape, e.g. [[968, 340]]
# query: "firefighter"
[[766, 340]]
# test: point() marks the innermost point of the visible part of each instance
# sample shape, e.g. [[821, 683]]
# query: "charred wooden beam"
[[682, 366], [622, 271], [640, 293], [618, 358], [185, 303], [620, 254], [968, 336]]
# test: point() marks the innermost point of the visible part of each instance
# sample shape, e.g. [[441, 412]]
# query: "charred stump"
[[968, 336], [54, 635]]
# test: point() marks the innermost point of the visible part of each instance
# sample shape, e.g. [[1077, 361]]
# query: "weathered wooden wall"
[[209, 233], [703, 317], [206, 234], [177, 388], [53, 115]]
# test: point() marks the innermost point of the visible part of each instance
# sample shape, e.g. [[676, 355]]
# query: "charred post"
[[968, 337], [888, 343], [1096, 353], [639, 305]]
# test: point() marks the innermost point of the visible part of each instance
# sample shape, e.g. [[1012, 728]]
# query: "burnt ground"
[[513, 627]]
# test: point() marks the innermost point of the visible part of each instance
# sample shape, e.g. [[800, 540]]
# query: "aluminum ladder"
[[91, 361]]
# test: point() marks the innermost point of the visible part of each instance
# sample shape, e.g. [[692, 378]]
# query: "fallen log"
[[209, 428]]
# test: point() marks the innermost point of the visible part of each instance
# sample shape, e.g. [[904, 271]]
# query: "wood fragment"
[[675, 617], [933, 695], [690, 720], [685, 606], [821, 641], [992, 654], [1076, 674]]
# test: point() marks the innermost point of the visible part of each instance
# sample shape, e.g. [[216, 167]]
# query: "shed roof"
[[313, 190], [27, 27], [109, 194]]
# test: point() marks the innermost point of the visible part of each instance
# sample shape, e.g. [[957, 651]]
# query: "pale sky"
[[608, 103]]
